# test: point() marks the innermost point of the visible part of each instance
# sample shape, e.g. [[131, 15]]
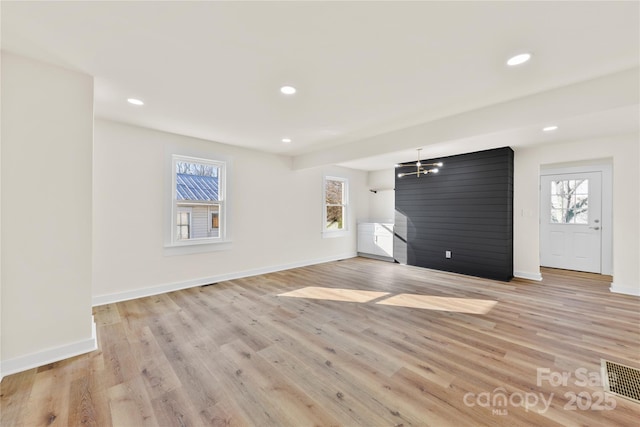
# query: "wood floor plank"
[[14, 396], [308, 347], [98, 387], [325, 390], [49, 399], [182, 351], [130, 404], [82, 411], [174, 409], [106, 314], [294, 406], [156, 371]]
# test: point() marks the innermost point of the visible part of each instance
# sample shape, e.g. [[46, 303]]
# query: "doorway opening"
[[576, 227]]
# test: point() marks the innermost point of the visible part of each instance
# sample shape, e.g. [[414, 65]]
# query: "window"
[[570, 201], [198, 201], [183, 223], [214, 224], [335, 205]]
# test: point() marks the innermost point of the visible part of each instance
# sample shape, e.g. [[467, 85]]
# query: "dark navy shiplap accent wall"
[[466, 208]]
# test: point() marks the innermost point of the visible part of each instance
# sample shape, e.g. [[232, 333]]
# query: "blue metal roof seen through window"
[[196, 187]]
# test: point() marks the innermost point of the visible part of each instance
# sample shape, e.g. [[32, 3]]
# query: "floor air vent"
[[621, 380]]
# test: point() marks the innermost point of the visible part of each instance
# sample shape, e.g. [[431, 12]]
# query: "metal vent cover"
[[621, 380]]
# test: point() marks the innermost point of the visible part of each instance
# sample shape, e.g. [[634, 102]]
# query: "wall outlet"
[[447, 254]]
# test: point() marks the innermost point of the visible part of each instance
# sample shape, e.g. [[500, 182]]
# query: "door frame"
[[606, 169]]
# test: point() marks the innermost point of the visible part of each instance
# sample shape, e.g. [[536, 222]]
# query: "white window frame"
[[222, 202], [188, 210], [345, 208]]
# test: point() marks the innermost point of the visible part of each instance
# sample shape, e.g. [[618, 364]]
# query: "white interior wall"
[[275, 214], [623, 150], [382, 204], [47, 127]]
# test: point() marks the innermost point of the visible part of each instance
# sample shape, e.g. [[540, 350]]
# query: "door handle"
[[595, 228]]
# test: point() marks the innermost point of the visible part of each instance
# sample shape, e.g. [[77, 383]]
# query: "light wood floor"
[[241, 353]]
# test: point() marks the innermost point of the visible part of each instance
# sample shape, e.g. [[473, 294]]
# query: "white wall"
[[382, 204], [623, 150], [275, 214], [47, 126]]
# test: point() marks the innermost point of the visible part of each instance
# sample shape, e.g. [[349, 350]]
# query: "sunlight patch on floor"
[[334, 294], [427, 302], [458, 305]]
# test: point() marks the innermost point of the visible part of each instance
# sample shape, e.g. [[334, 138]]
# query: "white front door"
[[570, 221]]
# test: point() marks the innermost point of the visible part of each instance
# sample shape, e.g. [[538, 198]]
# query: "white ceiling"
[[213, 69]]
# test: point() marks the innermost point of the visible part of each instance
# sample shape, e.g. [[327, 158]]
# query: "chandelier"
[[421, 168]]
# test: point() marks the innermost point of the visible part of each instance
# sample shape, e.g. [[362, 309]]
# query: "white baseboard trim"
[[50, 355], [170, 287], [626, 290], [529, 276]]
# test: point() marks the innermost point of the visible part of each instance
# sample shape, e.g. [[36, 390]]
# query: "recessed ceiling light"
[[135, 101], [286, 140], [288, 90], [518, 59], [549, 128]]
